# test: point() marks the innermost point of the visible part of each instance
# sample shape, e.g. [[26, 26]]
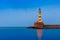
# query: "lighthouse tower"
[[39, 16], [39, 23]]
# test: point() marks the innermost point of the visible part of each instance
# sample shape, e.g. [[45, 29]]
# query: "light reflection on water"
[[39, 34]]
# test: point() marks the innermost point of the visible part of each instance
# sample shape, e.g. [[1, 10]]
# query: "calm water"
[[28, 34]]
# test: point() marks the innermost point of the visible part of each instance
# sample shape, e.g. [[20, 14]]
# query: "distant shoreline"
[[46, 27]]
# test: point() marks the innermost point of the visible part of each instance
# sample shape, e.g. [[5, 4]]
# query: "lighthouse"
[[39, 23], [39, 16]]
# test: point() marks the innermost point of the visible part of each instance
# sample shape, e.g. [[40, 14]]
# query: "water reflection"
[[39, 34]]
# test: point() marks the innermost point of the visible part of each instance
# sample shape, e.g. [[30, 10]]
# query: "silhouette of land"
[[52, 26], [46, 27]]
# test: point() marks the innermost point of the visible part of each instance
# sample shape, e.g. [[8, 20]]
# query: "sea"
[[23, 33]]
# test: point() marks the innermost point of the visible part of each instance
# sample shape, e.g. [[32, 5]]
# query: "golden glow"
[[39, 20], [39, 16], [39, 34]]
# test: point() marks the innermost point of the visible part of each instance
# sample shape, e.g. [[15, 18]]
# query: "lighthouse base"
[[38, 25]]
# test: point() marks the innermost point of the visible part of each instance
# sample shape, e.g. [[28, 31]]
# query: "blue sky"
[[5, 4], [24, 12]]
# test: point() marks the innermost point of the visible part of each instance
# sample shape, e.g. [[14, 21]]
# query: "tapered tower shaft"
[[39, 16]]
